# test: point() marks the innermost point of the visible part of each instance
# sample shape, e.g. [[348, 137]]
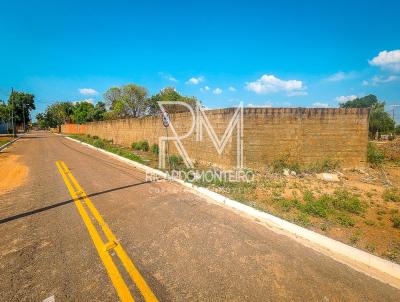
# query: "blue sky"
[[286, 53]]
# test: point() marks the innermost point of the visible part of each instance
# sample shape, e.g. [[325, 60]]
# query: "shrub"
[[95, 137], [375, 156], [283, 162], [391, 195], [175, 160], [303, 219], [320, 207], [141, 145], [396, 221], [343, 200], [345, 220], [155, 149], [99, 143], [326, 165]]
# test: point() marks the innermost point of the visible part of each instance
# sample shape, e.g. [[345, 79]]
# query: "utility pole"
[[23, 114], [12, 112]]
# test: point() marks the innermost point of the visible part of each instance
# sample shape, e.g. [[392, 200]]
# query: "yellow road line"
[[116, 278], [133, 272]]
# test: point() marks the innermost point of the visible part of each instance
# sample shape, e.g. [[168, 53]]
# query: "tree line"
[[380, 121], [126, 101], [16, 111]]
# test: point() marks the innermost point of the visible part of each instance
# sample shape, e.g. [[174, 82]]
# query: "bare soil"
[[12, 172]]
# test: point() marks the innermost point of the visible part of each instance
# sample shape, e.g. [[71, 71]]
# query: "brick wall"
[[306, 135]]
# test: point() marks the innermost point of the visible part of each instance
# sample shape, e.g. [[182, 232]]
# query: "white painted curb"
[[369, 264], [9, 143]]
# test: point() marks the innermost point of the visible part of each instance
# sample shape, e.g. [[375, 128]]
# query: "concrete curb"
[[9, 143], [359, 260]]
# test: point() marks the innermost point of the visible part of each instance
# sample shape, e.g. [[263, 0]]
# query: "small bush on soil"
[[326, 165], [396, 221], [375, 156], [175, 161], [303, 219], [283, 162], [141, 145], [344, 200], [155, 149], [345, 220], [392, 194], [99, 143]]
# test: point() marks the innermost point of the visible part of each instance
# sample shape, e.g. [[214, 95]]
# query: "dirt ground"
[[12, 172]]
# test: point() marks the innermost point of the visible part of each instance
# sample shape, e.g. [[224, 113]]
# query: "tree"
[[168, 94], [128, 101], [82, 112], [379, 119], [58, 114], [99, 111], [20, 104], [4, 112]]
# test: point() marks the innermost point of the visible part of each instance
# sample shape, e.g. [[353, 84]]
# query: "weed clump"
[[374, 155], [155, 149], [391, 195], [141, 145]]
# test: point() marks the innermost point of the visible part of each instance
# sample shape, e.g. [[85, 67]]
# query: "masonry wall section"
[[306, 135]]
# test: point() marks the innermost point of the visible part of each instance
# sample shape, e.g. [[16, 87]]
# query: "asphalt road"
[[185, 248]]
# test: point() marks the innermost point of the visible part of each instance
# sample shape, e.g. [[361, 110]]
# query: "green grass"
[[141, 145], [392, 194], [2, 143], [107, 145], [374, 155]]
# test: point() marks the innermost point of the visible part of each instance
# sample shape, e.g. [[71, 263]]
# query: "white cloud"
[[340, 76], [297, 93], [345, 98], [389, 60], [231, 88], [217, 91], [195, 81], [380, 80], [320, 105], [205, 88], [88, 91], [167, 77], [270, 84]]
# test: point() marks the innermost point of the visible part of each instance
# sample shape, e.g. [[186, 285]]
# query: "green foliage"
[[392, 194], [103, 144], [169, 94], [84, 112], [344, 220], [344, 200], [396, 221], [284, 162], [397, 130], [374, 155], [320, 207], [325, 165], [303, 219], [141, 145], [175, 161], [99, 143], [4, 112], [127, 101], [379, 119], [155, 149]]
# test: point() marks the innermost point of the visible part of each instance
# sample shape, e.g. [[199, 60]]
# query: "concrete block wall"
[[306, 135]]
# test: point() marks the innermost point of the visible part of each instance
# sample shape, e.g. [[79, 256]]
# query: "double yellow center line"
[[104, 248]]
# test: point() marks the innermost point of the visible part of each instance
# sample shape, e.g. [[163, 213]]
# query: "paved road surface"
[[184, 247]]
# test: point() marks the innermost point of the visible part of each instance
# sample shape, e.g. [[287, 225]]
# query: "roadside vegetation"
[[360, 207]]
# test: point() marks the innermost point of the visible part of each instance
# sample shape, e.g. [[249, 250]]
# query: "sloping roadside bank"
[[374, 266]]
